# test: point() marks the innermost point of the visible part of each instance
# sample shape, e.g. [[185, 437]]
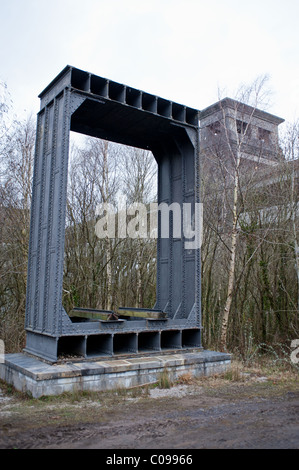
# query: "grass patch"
[[234, 373], [186, 379], [276, 356], [164, 380]]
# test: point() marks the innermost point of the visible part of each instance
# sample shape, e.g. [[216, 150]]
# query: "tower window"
[[215, 128], [264, 135], [243, 128]]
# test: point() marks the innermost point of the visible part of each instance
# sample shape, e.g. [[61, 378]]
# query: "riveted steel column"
[[46, 247], [178, 269]]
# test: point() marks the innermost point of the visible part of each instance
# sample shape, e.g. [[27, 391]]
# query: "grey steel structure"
[[82, 102]]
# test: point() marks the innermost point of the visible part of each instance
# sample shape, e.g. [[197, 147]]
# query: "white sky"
[[182, 50]]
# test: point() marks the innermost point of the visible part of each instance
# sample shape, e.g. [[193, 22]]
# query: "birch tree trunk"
[[108, 273], [105, 197], [232, 263], [294, 228]]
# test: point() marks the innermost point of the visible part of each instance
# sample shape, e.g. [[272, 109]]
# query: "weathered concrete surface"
[[29, 374]]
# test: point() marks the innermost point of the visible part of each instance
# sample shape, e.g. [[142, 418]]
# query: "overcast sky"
[[182, 50]]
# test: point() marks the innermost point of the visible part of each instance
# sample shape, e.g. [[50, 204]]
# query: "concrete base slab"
[[31, 375]]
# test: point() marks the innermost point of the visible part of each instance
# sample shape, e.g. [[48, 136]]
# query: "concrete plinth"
[[29, 374]]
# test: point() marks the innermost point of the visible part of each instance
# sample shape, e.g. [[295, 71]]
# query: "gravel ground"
[[254, 411]]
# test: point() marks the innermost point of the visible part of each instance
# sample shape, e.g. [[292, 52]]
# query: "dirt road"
[[256, 412]]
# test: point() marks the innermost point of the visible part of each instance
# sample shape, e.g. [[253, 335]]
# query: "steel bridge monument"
[[82, 102]]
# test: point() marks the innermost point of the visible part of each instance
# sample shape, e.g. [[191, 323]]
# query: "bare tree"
[[291, 151], [233, 174], [15, 201], [139, 185], [92, 180]]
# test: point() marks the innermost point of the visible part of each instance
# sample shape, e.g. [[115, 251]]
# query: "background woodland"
[[250, 256]]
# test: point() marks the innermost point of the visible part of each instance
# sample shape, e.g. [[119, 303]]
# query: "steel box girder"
[[82, 102]]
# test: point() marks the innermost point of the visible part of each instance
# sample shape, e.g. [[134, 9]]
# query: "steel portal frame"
[[83, 102]]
